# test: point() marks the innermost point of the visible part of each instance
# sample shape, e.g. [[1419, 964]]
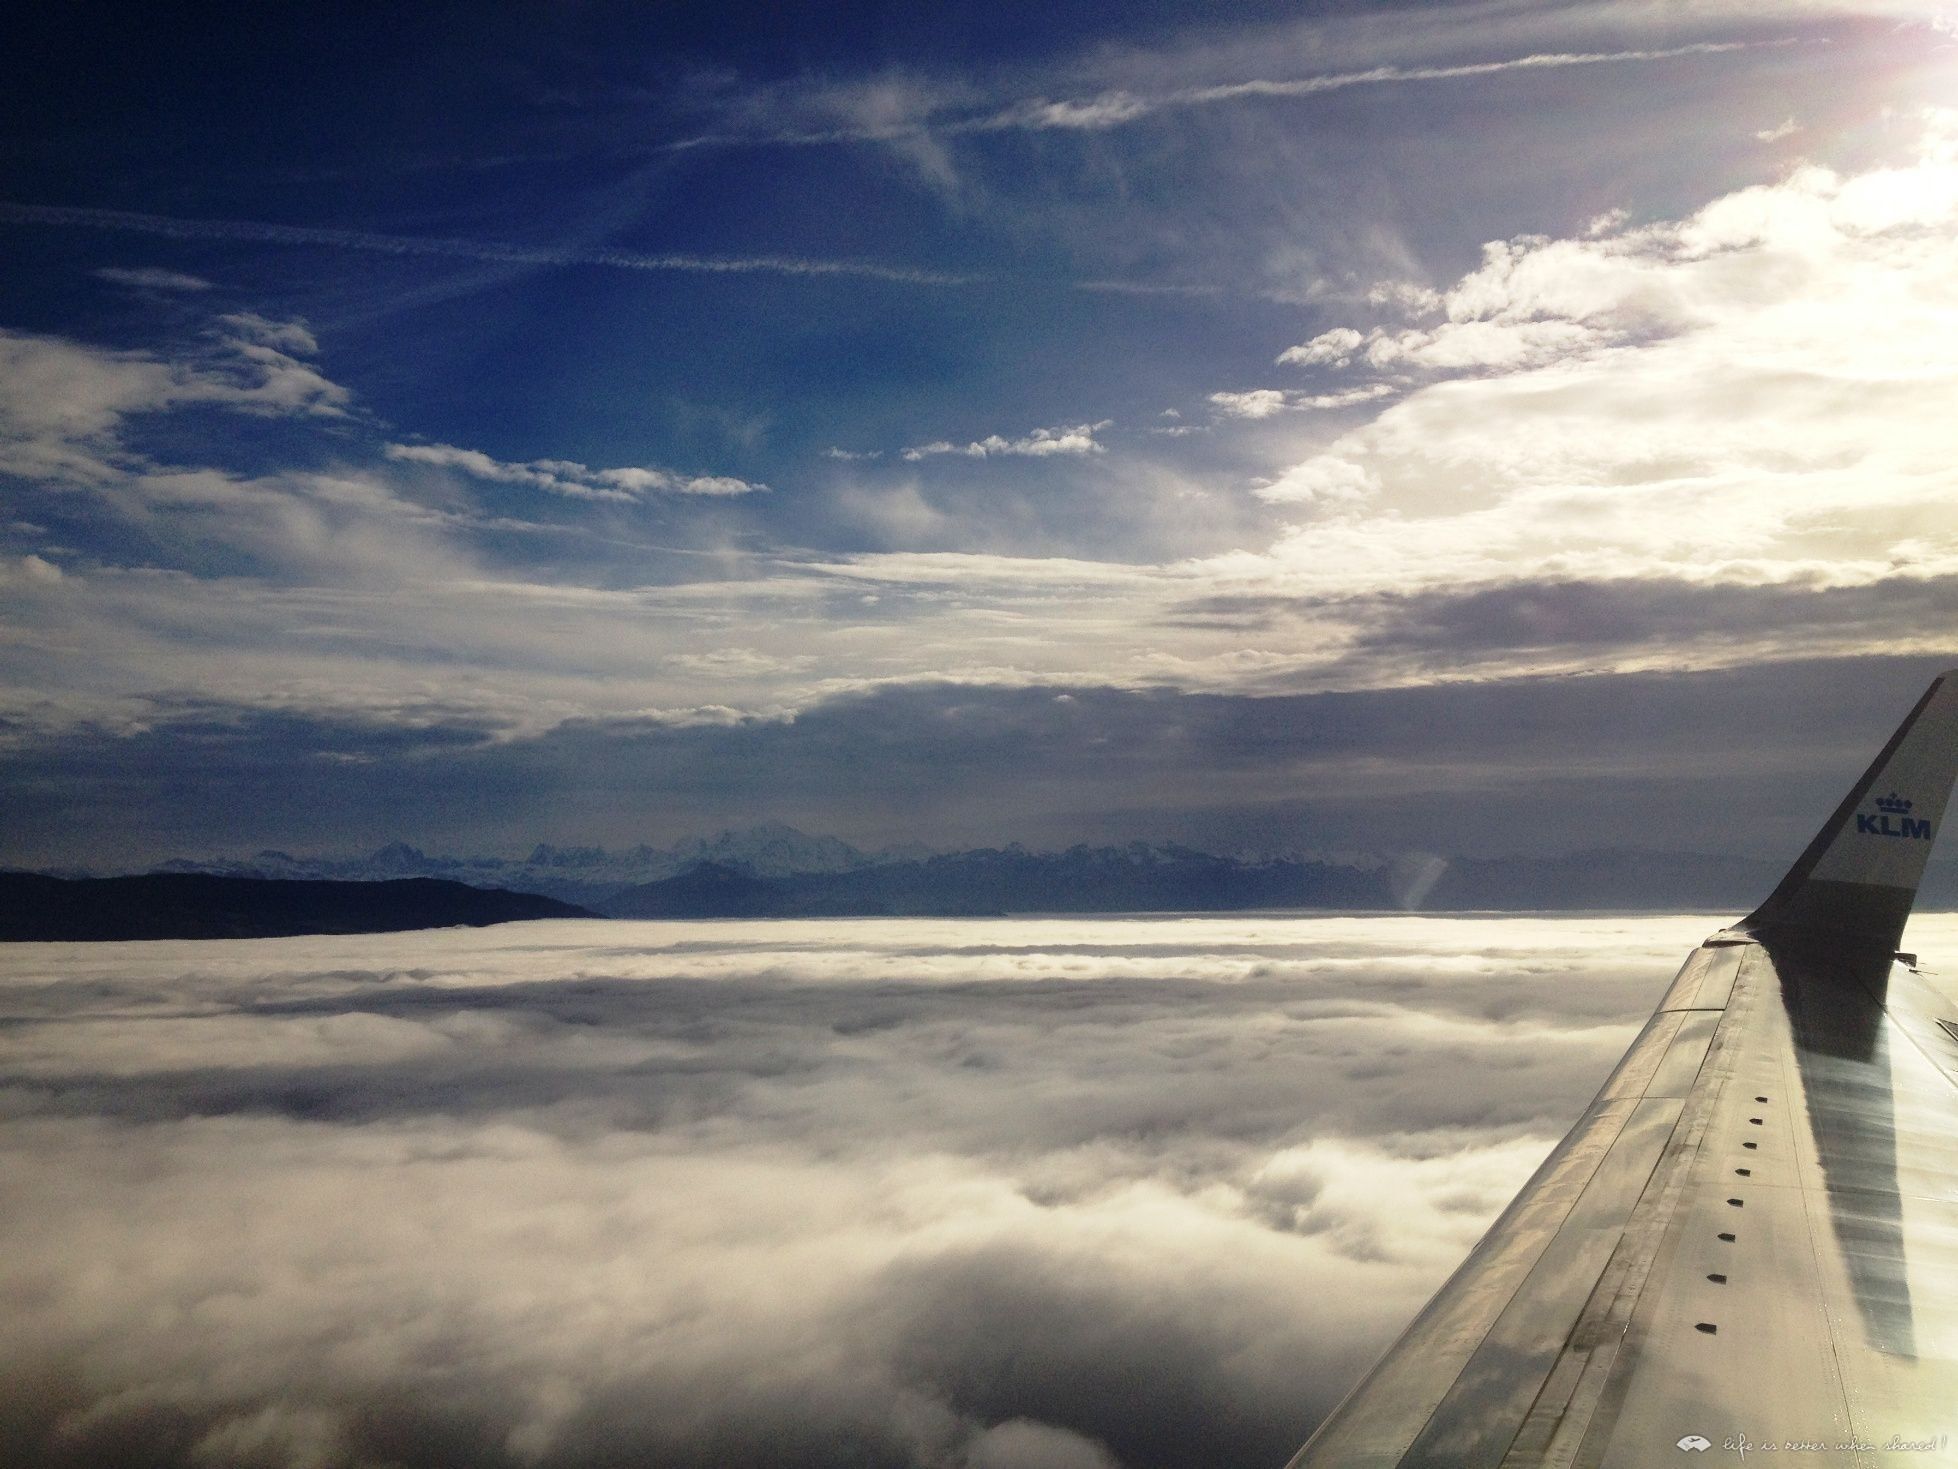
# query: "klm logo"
[[1893, 819]]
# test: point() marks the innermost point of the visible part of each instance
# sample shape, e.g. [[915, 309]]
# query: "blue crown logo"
[[1893, 803]]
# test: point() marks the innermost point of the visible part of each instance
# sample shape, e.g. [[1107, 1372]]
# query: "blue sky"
[[1330, 426]]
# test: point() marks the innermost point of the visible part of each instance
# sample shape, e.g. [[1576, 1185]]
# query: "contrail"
[[259, 232], [1118, 108], [1114, 108]]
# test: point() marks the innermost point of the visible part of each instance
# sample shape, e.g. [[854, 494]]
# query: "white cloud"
[[1266, 402], [568, 477], [1333, 348], [1257, 403], [1344, 397], [1468, 345], [286, 336], [1757, 392], [1406, 297], [54, 393], [1005, 1196], [709, 484], [1535, 300], [269, 377], [1040, 444], [62, 404], [1326, 478], [1786, 128], [39, 569]]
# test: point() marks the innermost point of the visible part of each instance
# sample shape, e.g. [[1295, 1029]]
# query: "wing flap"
[[1382, 1416], [1477, 1421], [1455, 1388]]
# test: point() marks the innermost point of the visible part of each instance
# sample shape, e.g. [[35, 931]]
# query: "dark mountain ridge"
[[177, 905]]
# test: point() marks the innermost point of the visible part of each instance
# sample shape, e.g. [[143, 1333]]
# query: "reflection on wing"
[[1751, 1236]]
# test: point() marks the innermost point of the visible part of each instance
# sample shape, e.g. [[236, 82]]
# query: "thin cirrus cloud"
[[1037, 1195], [502, 252], [152, 278]]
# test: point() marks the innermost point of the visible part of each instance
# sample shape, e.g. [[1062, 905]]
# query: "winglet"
[[1858, 878]]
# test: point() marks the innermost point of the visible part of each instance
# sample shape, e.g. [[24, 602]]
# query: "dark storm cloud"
[[1616, 615], [1006, 1195], [1741, 760], [1680, 614]]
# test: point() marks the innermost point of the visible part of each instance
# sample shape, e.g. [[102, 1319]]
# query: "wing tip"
[[1857, 880]]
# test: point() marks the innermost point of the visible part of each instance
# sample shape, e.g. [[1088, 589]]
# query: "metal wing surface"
[[1752, 1233]]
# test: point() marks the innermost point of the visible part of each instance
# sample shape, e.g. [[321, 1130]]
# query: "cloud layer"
[[1006, 1195]]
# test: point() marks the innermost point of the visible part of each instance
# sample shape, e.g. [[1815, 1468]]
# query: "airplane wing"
[[1751, 1237]]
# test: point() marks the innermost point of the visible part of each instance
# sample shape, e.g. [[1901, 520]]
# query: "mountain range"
[[587, 876], [776, 870]]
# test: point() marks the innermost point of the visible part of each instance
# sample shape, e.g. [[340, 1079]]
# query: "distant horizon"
[[523, 851]]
